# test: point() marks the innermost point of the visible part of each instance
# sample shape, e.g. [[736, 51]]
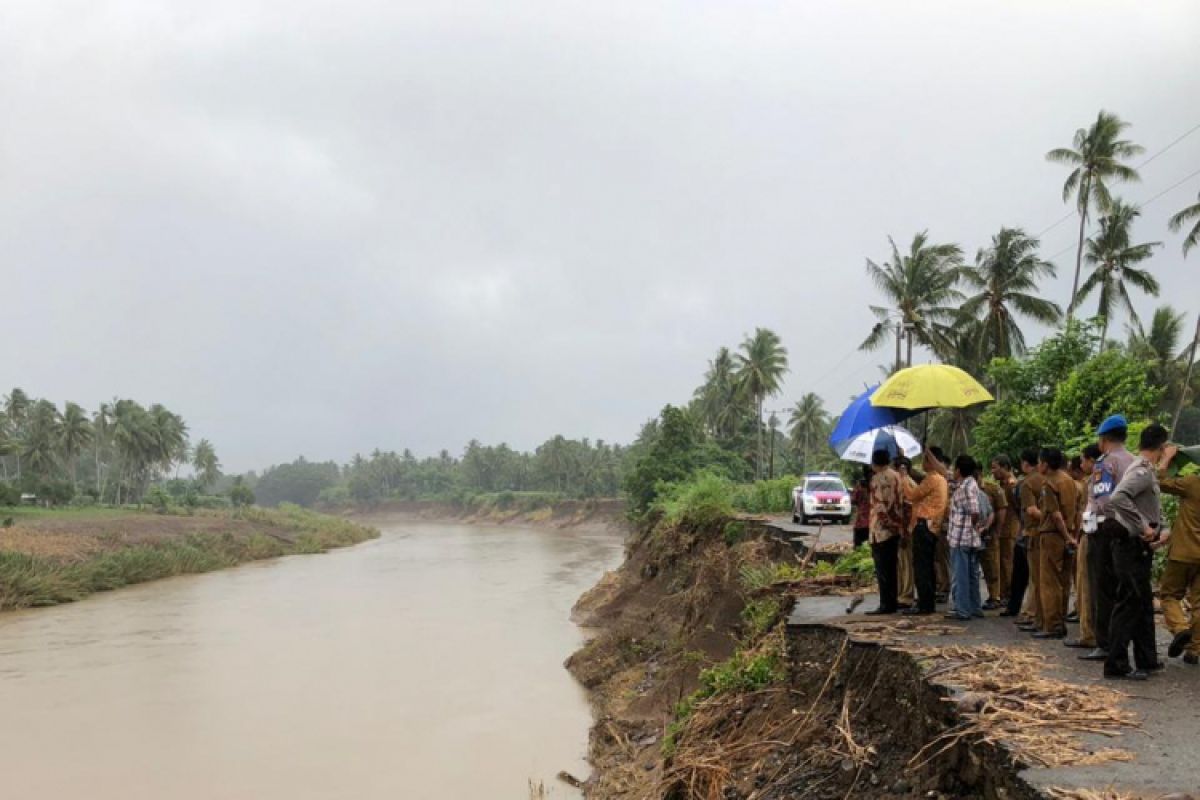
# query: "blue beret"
[[1114, 423]]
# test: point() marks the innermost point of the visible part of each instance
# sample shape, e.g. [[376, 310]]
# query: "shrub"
[[706, 499]]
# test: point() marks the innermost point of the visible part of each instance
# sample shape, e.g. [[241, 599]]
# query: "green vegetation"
[[28, 580], [115, 455]]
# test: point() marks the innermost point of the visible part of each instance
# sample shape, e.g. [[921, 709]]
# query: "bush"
[[706, 499], [9, 495], [767, 496]]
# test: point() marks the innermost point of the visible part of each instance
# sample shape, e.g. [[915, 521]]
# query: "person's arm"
[[1032, 512], [1001, 517], [917, 493], [933, 465]]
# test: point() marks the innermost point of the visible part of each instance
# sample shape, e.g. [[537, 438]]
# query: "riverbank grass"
[[202, 543]]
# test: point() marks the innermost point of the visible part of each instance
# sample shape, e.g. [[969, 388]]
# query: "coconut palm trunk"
[[1087, 180]]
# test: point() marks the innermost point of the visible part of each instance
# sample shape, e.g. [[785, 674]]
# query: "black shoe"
[[1133, 675], [1179, 644], [1155, 667], [879, 612], [1078, 643], [1072, 617], [990, 605], [1191, 658], [904, 606], [1095, 655], [1028, 627], [1050, 634], [916, 612], [958, 617], [1007, 613]]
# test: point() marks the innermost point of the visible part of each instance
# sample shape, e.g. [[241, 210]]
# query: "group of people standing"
[[1041, 532]]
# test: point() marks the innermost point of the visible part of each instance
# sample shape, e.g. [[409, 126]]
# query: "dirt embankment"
[[700, 689], [50, 557], [561, 514]]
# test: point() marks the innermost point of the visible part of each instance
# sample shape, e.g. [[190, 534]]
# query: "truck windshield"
[[825, 486]]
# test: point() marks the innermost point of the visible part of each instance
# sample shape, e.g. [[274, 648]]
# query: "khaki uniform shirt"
[[1031, 491], [996, 497], [1012, 522], [1185, 533], [1059, 493]]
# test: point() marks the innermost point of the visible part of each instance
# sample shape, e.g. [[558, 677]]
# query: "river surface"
[[424, 664]]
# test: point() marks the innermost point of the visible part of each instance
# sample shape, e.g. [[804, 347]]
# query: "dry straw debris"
[[1006, 699]]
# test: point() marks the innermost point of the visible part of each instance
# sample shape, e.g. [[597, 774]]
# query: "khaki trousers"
[[1007, 545], [1179, 581], [907, 587], [1083, 594], [1053, 576], [1033, 606], [989, 562]]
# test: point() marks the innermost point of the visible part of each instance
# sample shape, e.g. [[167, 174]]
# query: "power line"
[[1177, 140], [1143, 204]]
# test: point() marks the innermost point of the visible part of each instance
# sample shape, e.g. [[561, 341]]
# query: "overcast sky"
[[318, 227]]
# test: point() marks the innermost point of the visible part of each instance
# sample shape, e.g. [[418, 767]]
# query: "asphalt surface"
[[1168, 705]]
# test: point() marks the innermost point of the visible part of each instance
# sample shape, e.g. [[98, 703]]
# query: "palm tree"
[[208, 468], [1115, 262], [1096, 155], [102, 434], [1006, 275], [42, 438], [807, 424], [1158, 347], [761, 365], [719, 401], [74, 435], [16, 407], [920, 289], [1177, 222]]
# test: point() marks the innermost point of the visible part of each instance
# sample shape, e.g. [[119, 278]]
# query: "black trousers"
[[861, 535], [924, 551], [1102, 578], [887, 568], [1133, 606], [1020, 578]]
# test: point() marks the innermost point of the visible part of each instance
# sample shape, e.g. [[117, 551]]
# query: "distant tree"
[[41, 446], [919, 287], [721, 403], [761, 365], [75, 434], [1006, 275], [808, 425], [1096, 156], [1185, 216], [240, 495], [16, 408], [208, 467], [1114, 260]]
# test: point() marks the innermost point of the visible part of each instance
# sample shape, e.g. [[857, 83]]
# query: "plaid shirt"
[[963, 505]]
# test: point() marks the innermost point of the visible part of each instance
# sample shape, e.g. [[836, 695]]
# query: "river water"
[[424, 664]]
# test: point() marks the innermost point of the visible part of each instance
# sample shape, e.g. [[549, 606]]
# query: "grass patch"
[[28, 581]]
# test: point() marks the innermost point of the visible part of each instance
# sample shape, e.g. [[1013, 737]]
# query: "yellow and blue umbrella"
[[861, 416]]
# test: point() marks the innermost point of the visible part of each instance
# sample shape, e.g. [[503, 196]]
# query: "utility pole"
[[1187, 376], [899, 337]]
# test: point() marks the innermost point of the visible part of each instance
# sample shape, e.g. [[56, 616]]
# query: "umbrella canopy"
[[1186, 455], [893, 438], [930, 386], [860, 416]]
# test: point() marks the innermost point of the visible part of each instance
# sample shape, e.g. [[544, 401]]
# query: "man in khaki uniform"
[[990, 560], [1031, 491], [1084, 604], [907, 595], [1056, 536], [1181, 578]]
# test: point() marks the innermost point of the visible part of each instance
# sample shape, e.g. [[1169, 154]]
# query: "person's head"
[[1051, 459], [1001, 467], [1090, 455], [902, 463], [880, 460], [1153, 439], [964, 467], [1076, 467], [1029, 460], [1113, 432]]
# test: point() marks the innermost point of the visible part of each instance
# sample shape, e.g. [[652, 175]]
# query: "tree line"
[[112, 455], [575, 468]]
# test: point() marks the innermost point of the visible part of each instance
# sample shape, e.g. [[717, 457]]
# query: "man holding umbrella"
[[930, 499]]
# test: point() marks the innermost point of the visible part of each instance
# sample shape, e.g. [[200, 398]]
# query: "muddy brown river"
[[424, 664]]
